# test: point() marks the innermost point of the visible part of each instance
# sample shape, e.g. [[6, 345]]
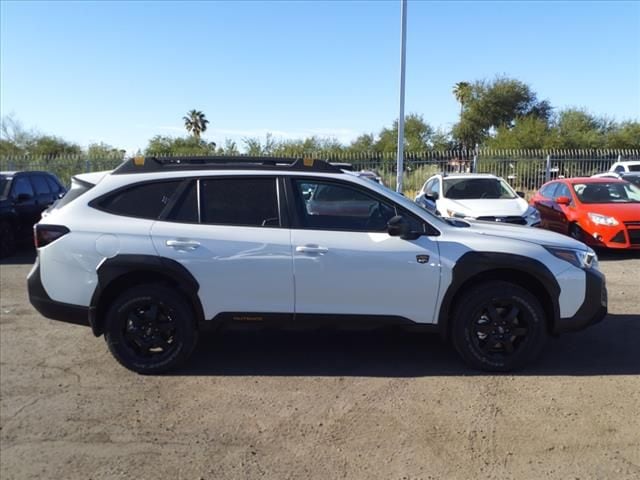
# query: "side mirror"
[[520, 194], [433, 196], [24, 197], [563, 200], [399, 227]]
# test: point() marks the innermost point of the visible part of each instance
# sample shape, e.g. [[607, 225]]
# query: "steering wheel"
[[375, 216]]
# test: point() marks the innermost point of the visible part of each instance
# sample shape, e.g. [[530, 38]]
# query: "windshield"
[[607, 192], [5, 183], [473, 188]]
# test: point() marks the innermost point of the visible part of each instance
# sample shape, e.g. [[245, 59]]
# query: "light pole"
[[403, 51]]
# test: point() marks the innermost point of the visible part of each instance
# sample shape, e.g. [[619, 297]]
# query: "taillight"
[[45, 234]]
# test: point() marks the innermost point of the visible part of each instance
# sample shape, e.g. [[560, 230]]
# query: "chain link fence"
[[525, 170]]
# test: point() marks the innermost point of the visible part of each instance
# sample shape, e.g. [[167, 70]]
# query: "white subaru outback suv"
[[159, 249]]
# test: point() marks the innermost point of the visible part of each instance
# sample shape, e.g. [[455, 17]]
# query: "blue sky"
[[122, 71]]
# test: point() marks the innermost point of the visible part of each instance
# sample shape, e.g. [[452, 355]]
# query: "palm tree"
[[462, 92], [195, 123]]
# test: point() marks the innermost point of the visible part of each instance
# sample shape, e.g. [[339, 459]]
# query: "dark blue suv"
[[23, 197]]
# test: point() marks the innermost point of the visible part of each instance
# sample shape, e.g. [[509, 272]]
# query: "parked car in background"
[[371, 175], [476, 197], [626, 166], [631, 177], [601, 212], [23, 198]]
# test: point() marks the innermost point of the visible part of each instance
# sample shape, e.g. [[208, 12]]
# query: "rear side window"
[[146, 200], [251, 202], [186, 208], [22, 185], [53, 185], [548, 190], [40, 185]]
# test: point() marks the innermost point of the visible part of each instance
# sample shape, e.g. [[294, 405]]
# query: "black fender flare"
[[116, 267], [476, 265]]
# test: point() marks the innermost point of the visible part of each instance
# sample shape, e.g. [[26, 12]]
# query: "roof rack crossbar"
[[165, 163]]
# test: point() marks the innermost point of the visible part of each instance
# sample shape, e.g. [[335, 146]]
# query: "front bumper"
[[625, 236], [50, 308], [592, 310]]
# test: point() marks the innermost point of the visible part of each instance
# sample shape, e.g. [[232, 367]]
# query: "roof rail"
[[151, 164]]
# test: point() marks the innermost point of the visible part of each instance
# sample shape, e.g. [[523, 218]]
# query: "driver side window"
[[337, 206]]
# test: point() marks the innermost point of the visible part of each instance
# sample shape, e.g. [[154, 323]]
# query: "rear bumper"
[[64, 312], [592, 310]]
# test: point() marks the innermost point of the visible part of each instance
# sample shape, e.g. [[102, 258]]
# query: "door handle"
[[311, 249], [183, 244]]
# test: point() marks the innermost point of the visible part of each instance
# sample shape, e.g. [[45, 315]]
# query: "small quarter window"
[[143, 201]]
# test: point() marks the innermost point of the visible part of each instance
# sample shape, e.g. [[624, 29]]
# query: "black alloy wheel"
[[498, 326], [151, 329]]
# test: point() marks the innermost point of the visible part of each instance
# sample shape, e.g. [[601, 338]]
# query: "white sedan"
[[476, 197]]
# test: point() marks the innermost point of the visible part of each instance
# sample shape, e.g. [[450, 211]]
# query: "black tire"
[[7, 239], [576, 232], [150, 329], [498, 327]]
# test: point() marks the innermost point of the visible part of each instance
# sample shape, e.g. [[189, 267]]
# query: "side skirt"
[[312, 321]]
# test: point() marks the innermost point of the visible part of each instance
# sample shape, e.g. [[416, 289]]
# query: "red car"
[[601, 212]]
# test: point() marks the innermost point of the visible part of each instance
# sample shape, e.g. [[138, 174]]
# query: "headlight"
[[602, 219], [455, 214], [584, 259], [532, 214]]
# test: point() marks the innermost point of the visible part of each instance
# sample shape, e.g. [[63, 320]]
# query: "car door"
[[24, 201], [345, 262], [230, 234], [563, 213], [543, 201]]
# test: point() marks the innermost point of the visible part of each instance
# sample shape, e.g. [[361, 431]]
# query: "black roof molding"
[[179, 163]]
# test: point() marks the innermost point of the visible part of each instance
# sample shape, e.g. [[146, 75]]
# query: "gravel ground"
[[318, 404]]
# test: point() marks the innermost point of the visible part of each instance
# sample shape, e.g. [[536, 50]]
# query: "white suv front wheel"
[[150, 329], [498, 327]]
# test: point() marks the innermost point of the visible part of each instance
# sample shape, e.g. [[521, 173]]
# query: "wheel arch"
[[475, 268], [119, 273]]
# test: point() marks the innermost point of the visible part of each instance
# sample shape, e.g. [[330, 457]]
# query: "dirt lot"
[[318, 405]]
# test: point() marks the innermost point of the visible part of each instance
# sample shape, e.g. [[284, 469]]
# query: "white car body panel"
[[78, 255], [365, 274], [239, 269]]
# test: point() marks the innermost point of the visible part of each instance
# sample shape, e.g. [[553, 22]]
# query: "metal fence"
[[525, 170]]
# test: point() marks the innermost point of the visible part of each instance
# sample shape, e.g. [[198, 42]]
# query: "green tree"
[[577, 129], [167, 146], [50, 146], [417, 136], [626, 135], [526, 133], [462, 92], [494, 105], [365, 143], [103, 150], [254, 146], [195, 122]]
